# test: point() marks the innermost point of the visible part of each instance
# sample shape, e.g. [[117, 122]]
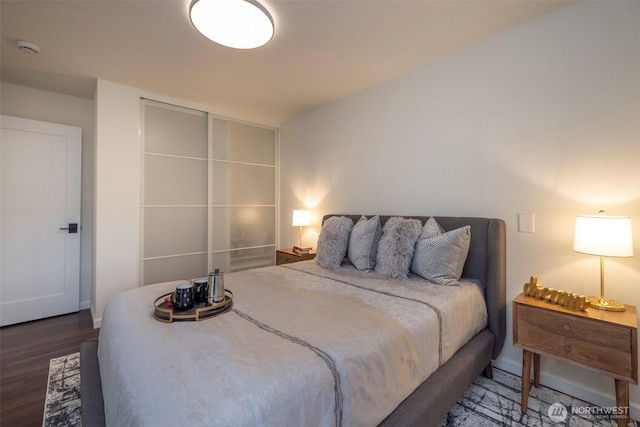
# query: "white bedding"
[[302, 346]]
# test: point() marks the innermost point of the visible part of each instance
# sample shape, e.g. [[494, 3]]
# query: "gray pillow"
[[363, 243], [440, 258], [395, 249], [333, 241]]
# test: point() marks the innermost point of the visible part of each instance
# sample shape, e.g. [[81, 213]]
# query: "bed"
[[305, 345]]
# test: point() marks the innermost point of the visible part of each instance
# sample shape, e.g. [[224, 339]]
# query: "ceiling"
[[322, 50]]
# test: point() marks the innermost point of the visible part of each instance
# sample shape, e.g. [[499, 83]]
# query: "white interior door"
[[40, 167]]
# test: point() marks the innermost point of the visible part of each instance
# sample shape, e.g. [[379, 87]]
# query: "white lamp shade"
[[603, 235], [301, 218], [240, 24]]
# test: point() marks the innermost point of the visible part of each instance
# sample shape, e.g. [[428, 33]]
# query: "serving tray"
[[200, 311]]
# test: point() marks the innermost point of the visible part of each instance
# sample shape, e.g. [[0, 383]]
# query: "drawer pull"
[[566, 349], [566, 328]]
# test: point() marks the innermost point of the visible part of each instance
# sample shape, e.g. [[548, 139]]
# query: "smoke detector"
[[28, 47]]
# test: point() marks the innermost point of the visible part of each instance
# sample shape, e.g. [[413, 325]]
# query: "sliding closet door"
[[174, 193], [243, 196], [208, 194]]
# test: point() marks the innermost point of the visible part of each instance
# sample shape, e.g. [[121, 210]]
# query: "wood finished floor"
[[25, 351]]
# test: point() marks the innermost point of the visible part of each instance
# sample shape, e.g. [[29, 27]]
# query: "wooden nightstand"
[[602, 341], [286, 256]]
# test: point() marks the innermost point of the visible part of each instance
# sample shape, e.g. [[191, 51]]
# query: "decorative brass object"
[[569, 300]]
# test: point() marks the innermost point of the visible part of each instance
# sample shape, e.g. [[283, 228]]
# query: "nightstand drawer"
[[601, 357], [600, 333], [287, 258]]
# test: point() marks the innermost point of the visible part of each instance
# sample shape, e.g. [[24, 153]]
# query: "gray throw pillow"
[[363, 243], [395, 249], [440, 258], [333, 241]]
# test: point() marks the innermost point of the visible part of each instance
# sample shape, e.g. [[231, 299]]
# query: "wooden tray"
[[201, 311]]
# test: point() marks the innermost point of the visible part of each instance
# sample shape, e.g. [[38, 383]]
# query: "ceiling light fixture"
[[239, 24], [28, 47]]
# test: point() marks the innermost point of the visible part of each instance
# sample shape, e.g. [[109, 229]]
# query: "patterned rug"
[[486, 403], [496, 402], [62, 406]]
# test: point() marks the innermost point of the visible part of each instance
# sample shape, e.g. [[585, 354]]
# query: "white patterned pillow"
[[431, 228], [395, 249], [363, 243], [333, 241], [440, 258]]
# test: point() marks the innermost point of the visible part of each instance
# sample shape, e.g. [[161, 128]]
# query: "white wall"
[[35, 104], [543, 119], [116, 194]]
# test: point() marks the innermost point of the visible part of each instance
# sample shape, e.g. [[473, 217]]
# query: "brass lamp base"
[[605, 304]]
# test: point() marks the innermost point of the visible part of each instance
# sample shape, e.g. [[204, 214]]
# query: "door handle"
[[73, 228]]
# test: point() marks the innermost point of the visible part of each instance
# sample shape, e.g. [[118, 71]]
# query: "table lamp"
[[603, 235], [301, 218]]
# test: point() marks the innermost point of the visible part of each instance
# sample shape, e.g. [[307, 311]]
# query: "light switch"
[[526, 223]]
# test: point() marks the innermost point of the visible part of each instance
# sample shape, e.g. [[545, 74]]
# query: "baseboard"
[[597, 397], [85, 304], [96, 321]]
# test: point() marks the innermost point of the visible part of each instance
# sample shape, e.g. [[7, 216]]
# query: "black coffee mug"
[[200, 289], [183, 298]]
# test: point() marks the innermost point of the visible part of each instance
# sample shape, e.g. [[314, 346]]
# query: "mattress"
[[302, 346]]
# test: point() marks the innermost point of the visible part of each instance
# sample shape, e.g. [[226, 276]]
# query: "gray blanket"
[[301, 346]]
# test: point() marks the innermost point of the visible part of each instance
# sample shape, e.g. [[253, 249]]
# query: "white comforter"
[[302, 346]]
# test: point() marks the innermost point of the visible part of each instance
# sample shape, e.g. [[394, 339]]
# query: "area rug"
[[486, 403], [496, 402], [62, 406]]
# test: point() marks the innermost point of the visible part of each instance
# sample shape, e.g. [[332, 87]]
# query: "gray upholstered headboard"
[[486, 262]]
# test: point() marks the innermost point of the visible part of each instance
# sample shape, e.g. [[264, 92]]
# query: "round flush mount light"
[[239, 24], [28, 47]]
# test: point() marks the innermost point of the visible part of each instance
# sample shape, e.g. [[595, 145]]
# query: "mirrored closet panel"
[[208, 194]]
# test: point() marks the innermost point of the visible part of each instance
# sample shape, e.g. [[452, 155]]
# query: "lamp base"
[[605, 304]]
